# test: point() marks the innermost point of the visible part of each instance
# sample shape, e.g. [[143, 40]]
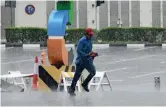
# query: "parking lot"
[[129, 69]]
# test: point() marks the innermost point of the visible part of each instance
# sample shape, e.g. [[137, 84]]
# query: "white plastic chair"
[[14, 81]]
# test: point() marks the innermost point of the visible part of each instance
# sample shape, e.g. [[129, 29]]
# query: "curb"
[[44, 45], [112, 45], [31, 45], [153, 45], [73, 45]]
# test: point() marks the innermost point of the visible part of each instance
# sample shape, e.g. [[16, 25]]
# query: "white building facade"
[[110, 14]]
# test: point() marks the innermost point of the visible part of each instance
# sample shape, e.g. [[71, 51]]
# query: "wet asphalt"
[[129, 69]]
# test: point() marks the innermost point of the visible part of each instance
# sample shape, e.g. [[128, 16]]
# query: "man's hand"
[[93, 54], [90, 53]]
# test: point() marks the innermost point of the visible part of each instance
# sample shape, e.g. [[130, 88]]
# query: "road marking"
[[116, 69], [41, 50], [138, 76], [7, 48], [2, 58], [144, 48], [134, 86], [131, 59], [139, 85], [18, 61], [162, 62], [116, 80], [28, 60]]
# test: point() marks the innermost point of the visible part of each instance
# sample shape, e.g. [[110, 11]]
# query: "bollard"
[[157, 83]]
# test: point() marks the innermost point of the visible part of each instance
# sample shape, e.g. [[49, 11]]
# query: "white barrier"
[[14, 81], [100, 76], [67, 78]]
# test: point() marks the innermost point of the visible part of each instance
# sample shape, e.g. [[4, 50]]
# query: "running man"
[[84, 60]]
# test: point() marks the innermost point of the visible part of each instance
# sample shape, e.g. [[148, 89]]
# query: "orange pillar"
[[43, 58], [57, 52]]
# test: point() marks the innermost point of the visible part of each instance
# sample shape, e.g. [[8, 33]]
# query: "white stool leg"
[[89, 85], [64, 84], [78, 84], [99, 83], [23, 83]]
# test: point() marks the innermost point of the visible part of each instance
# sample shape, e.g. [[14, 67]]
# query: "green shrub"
[[38, 35], [106, 35], [25, 35], [75, 34], [141, 34]]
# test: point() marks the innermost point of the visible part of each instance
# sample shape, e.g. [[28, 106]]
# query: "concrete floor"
[[131, 70]]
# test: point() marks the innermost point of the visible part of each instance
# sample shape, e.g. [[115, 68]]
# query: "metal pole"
[[11, 16], [109, 16], [98, 20], [77, 13], [130, 14], [96, 17], [161, 12]]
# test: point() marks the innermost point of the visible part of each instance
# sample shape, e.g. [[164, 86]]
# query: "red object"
[[89, 31], [34, 82], [35, 76], [42, 61], [93, 54], [36, 59]]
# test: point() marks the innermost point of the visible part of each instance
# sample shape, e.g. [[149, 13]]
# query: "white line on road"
[[132, 59], [134, 86], [41, 50], [7, 48], [144, 48], [28, 60], [116, 80], [162, 62], [138, 76], [117, 69], [139, 85], [18, 61]]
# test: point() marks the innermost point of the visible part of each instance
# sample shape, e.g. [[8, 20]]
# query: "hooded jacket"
[[84, 47]]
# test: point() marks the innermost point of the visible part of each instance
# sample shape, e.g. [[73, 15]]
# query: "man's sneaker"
[[71, 92], [85, 88]]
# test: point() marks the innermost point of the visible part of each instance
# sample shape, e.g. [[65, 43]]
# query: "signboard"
[[29, 9]]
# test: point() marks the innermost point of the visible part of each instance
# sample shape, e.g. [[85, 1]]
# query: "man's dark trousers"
[[79, 68]]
